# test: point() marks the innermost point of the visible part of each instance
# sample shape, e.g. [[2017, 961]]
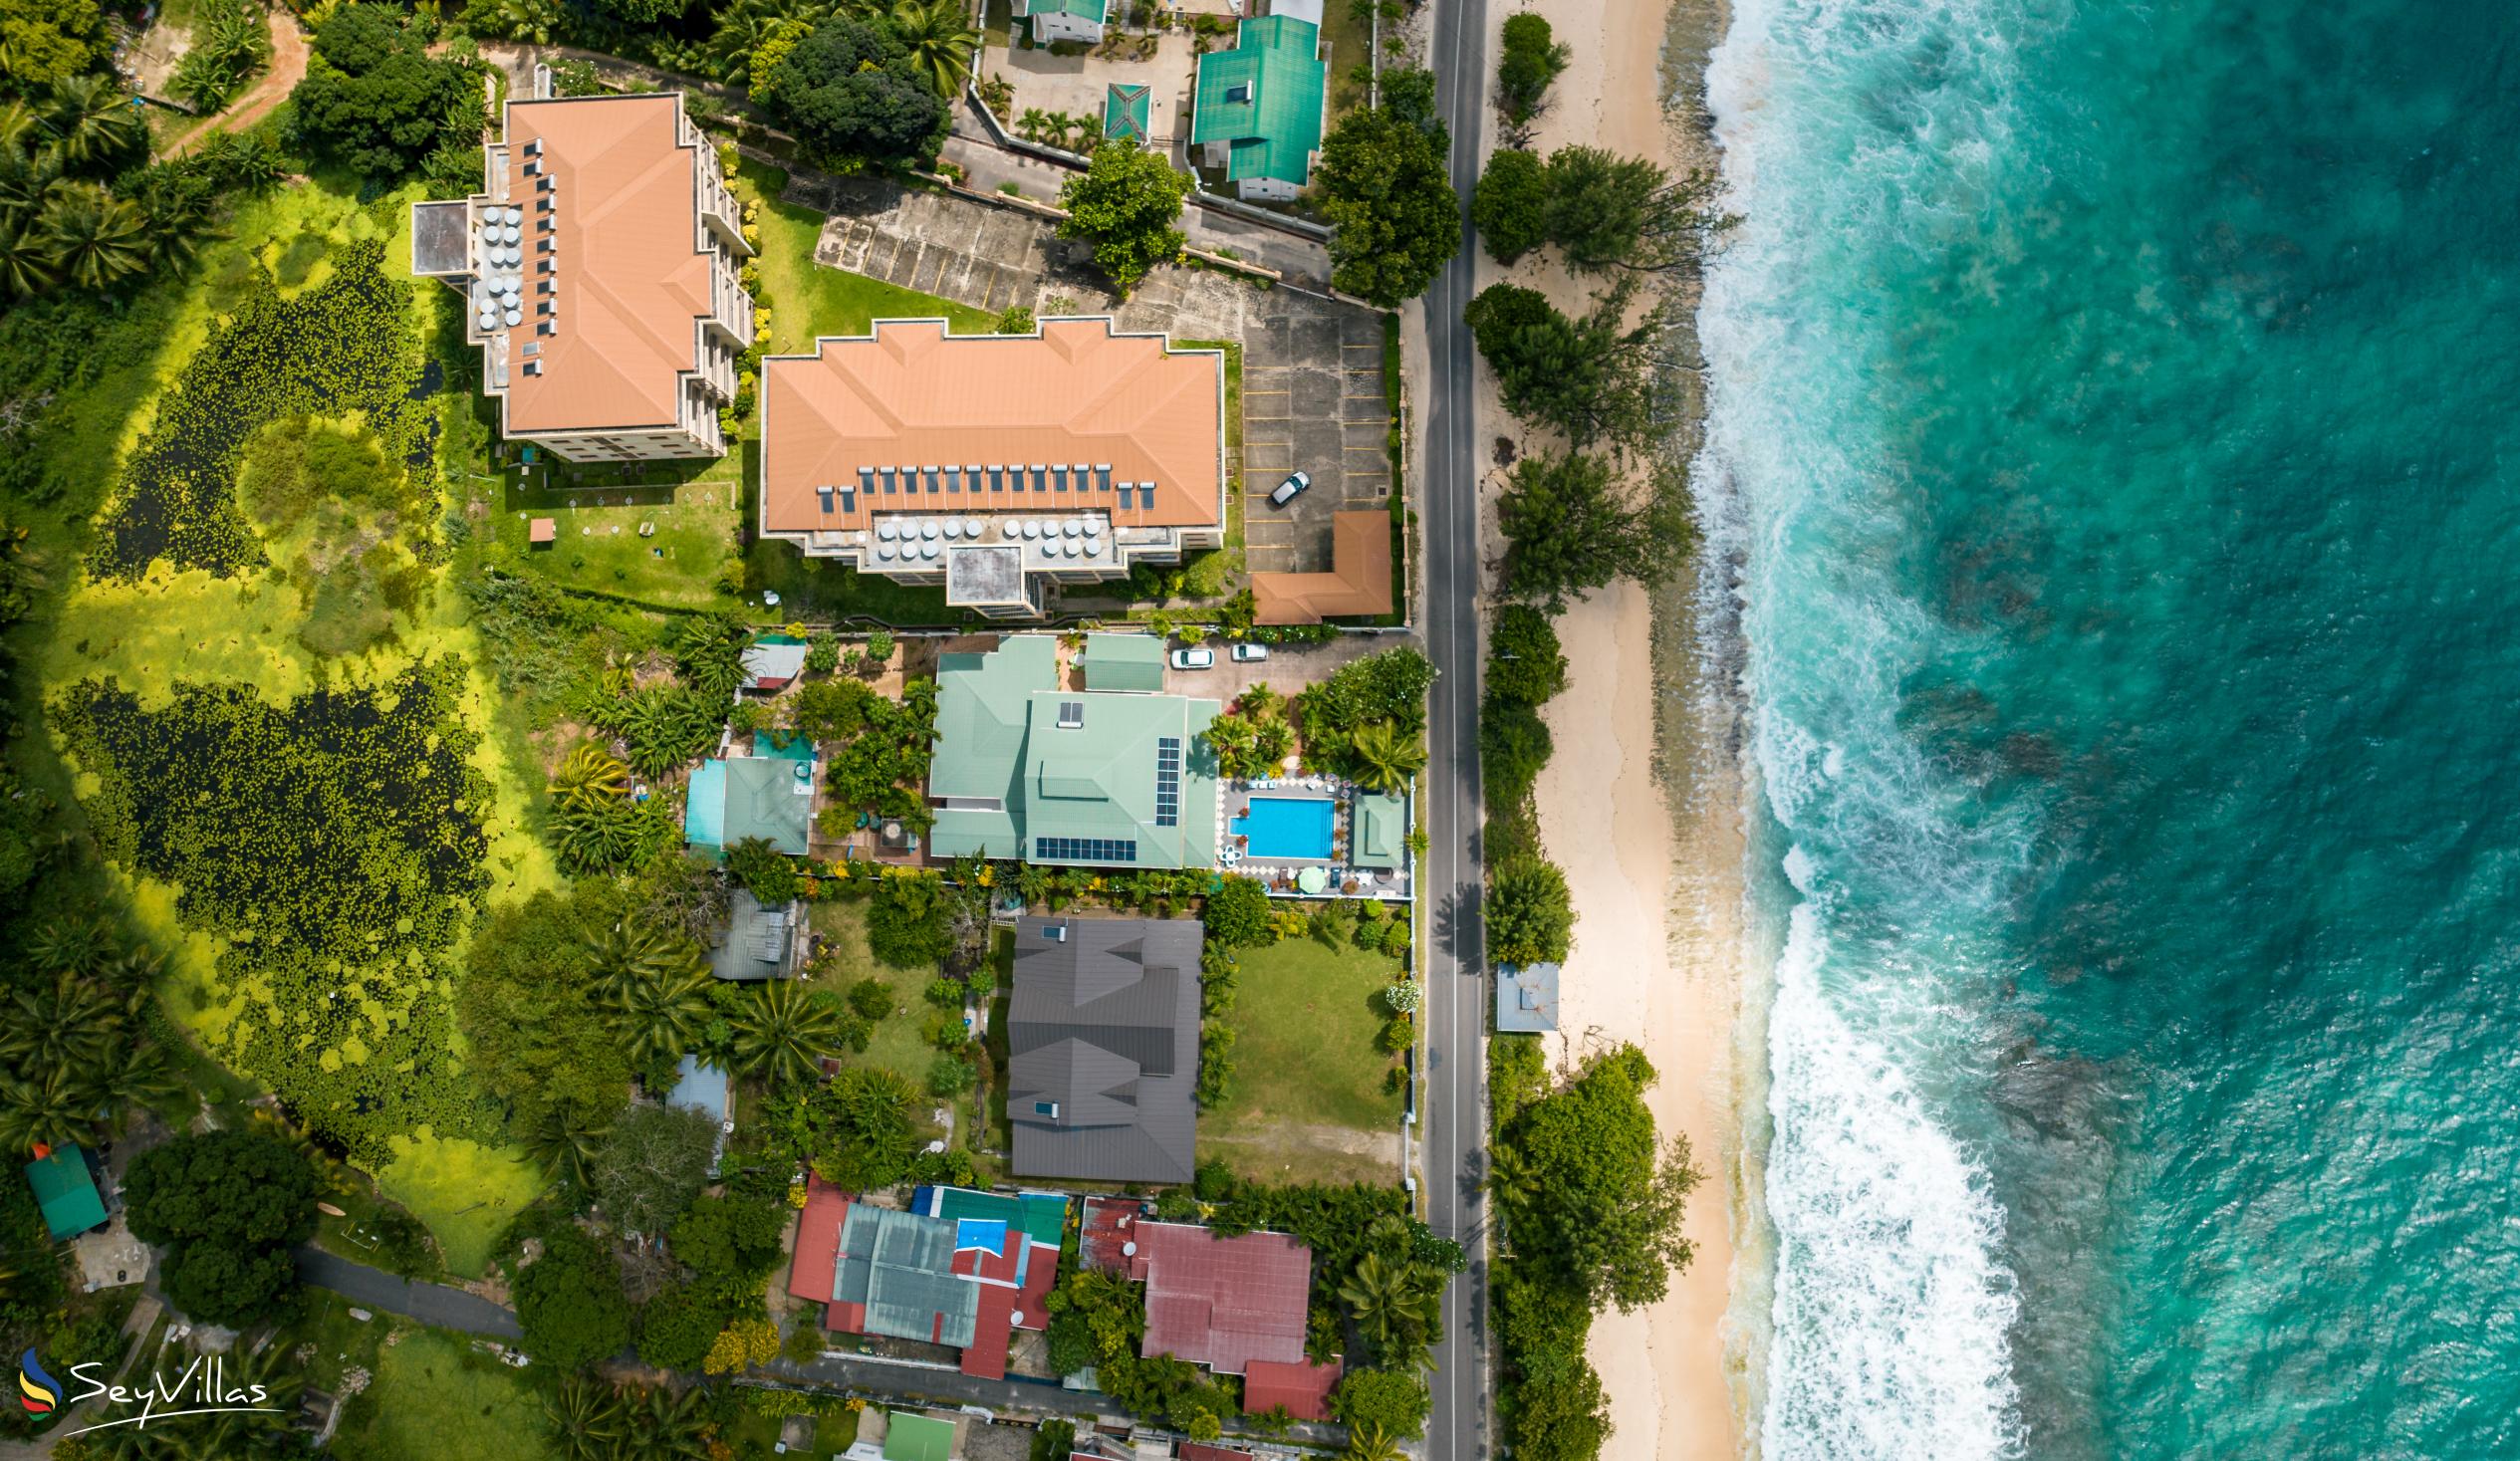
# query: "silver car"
[[1288, 489]]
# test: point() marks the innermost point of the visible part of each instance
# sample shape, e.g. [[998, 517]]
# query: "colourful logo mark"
[[37, 1392]]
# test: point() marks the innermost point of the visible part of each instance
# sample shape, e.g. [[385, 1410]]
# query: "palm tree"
[[585, 1414], [1387, 759], [26, 261], [72, 1024], [589, 774], [664, 1010], [1512, 1180], [54, 1107], [1397, 1306], [661, 1425], [780, 1037], [67, 944], [91, 124], [624, 954], [98, 240], [941, 42], [563, 1142], [18, 124], [742, 29], [1369, 1443]]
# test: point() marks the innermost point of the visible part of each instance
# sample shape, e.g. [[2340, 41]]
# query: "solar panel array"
[[1099, 849], [1168, 781]]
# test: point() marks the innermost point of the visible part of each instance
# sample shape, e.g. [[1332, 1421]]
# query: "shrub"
[[1236, 914], [871, 998], [908, 921], [1531, 58], [1530, 915], [762, 870], [1510, 205], [1393, 1403], [949, 1076], [570, 1303], [677, 1328], [1524, 662]]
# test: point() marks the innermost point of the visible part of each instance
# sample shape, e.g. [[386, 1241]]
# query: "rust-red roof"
[[1303, 1387], [1222, 1302], [817, 1264], [1109, 1224]]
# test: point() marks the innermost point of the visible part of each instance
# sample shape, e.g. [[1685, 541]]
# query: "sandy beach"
[[1642, 804]]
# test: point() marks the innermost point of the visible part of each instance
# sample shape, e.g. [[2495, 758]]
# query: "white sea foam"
[[1891, 1307]]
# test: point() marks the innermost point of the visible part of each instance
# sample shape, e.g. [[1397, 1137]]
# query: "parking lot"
[[1312, 399]]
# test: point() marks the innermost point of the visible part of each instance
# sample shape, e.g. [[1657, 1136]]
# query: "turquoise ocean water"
[[2117, 408]]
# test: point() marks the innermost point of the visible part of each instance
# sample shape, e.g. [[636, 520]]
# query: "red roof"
[[1222, 1302], [1109, 1224], [1302, 1387], [817, 1263], [1199, 1451]]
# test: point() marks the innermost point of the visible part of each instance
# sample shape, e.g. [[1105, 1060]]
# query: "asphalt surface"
[[1454, 1151], [430, 1303]]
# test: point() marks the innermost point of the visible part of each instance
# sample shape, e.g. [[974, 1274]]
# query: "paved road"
[[430, 1303], [1462, 1427]]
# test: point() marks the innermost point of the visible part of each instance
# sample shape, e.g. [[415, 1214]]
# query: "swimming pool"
[[1288, 827]]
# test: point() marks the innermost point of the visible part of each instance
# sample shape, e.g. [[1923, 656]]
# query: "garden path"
[[288, 67]]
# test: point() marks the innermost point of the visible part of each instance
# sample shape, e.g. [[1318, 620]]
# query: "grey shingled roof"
[[1104, 1025]]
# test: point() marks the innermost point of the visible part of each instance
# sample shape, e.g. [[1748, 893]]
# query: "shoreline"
[[1643, 802]]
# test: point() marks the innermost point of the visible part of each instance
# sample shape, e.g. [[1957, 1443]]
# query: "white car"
[[1250, 653], [1194, 659], [1287, 490]]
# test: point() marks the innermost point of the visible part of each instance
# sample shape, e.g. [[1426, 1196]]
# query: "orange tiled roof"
[[632, 279], [1358, 580], [911, 395]]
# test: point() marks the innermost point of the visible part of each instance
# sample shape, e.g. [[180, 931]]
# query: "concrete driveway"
[[1289, 667], [1312, 399]]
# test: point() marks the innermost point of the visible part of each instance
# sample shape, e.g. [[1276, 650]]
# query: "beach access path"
[[1461, 1426]]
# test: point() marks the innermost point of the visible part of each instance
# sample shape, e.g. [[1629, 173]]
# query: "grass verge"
[[1308, 1100]]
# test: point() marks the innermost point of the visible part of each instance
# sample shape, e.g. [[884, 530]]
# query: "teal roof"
[[1123, 663], [1032, 786], [1041, 1216], [899, 1266], [1086, 10], [1124, 111], [908, 1437], [66, 1192], [1264, 98], [769, 797], [1379, 831]]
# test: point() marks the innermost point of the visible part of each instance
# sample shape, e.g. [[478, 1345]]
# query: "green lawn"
[[1350, 39], [600, 543], [436, 1398], [899, 1045], [806, 299], [1306, 1076]]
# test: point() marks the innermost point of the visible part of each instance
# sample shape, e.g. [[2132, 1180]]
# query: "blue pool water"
[[1288, 827]]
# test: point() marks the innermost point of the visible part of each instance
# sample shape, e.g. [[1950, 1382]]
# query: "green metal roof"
[[899, 1265], [766, 798], [1381, 832], [1123, 663], [66, 1192], [1043, 1216], [1124, 111], [1264, 98], [1001, 745], [1086, 10], [908, 1437]]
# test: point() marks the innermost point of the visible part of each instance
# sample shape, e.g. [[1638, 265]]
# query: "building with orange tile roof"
[[598, 265], [1358, 580], [995, 465]]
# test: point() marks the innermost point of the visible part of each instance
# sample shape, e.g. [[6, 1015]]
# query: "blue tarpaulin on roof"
[[985, 1233]]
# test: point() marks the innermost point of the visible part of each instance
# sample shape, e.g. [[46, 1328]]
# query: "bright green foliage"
[[853, 1129], [651, 1167], [230, 1206], [229, 45], [539, 1038], [852, 92], [1237, 914], [745, 27], [1394, 1402], [1514, 744], [876, 751], [47, 41], [1102, 1319], [337, 843], [1589, 378], [784, 1031], [374, 100], [1530, 918], [941, 41], [731, 1242], [1608, 1192], [909, 922], [762, 870], [1017, 320], [1524, 666], [1510, 205], [1384, 758], [1383, 182], [1129, 203], [343, 525], [951, 1076], [1612, 212], [1530, 61], [1570, 528], [570, 1301], [588, 776], [1397, 1307], [1390, 686]]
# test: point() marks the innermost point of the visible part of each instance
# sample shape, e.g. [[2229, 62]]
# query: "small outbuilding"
[[66, 1192], [1526, 998]]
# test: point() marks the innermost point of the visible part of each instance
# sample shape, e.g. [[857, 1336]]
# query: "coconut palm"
[[941, 42], [623, 955], [586, 1417], [89, 124], [51, 1107], [563, 1140], [1512, 1180], [742, 28], [781, 1037], [1369, 1443], [1384, 758], [1397, 1306], [67, 944], [26, 261], [70, 1023], [98, 240], [19, 126], [659, 1426], [664, 1010]]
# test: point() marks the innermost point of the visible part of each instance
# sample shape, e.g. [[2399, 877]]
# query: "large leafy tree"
[[374, 98], [1529, 60], [1237, 913], [1609, 1191], [1129, 203], [1570, 527], [1530, 915], [229, 1206], [540, 1036], [1607, 211], [1589, 378], [1524, 663], [1510, 205], [1384, 184], [88, 124], [569, 1303], [852, 93], [1393, 1403], [651, 1167], [43, 42]]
